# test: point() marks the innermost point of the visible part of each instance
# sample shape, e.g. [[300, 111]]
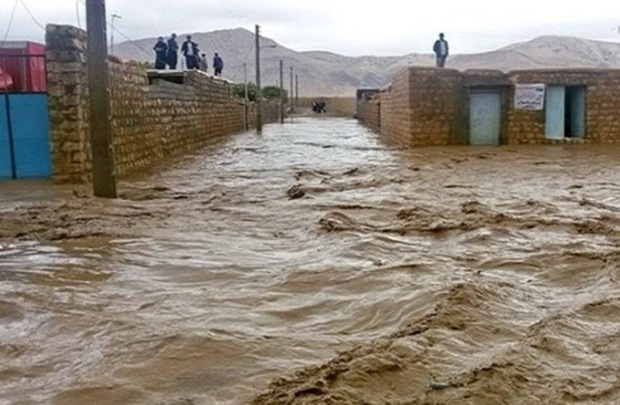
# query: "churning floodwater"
[[441, 275]]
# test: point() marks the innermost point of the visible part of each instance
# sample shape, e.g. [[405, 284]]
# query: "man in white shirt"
[[190, 51], [441, 50]]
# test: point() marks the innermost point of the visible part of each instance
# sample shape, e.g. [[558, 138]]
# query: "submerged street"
[[456, 275]]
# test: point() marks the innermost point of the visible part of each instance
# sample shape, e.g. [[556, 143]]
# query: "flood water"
[[443, 275]]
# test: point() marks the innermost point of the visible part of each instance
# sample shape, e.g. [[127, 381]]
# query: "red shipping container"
[[6, 81], [24, 62]]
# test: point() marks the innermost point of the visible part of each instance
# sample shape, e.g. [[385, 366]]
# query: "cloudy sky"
[[385, 27]]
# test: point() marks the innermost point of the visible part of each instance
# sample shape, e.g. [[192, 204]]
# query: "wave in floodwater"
[[314, 264]]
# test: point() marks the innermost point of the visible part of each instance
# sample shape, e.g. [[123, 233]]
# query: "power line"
[[128, 39], [119, 32], [31, 15], [247, 54], [8, 28]]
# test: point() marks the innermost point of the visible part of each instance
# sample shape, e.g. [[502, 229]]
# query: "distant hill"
[[330, 74]]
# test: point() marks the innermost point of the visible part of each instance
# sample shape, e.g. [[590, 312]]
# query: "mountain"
[[546, 52], [330, 74]]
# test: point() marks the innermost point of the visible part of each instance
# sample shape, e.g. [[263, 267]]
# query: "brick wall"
[[370, 112], [395, 112], [430, 107], [68, 103], [602, 106], [149, 121], [435, 100]]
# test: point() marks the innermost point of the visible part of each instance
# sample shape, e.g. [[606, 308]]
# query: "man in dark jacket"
[[441, 50], [173, 52], [218, 64], [160, 49], [191, 52]]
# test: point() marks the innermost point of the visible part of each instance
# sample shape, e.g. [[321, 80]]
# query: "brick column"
[[68, 104]]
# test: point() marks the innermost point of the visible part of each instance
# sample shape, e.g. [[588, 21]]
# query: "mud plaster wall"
[[149, 122], [430, 107]]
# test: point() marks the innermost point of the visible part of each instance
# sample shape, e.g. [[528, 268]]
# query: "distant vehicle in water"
[[319, 107]]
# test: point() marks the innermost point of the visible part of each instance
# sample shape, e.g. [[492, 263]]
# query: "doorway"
[[565, 112], [485, 118]]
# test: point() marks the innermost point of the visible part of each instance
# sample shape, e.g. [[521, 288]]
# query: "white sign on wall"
[[529, 96]]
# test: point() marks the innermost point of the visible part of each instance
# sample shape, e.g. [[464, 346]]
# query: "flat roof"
[[18, 44]]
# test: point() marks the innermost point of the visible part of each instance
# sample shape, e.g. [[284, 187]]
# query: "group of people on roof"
[[167, 54]]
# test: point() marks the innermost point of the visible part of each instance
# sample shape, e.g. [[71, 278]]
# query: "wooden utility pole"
[[245, 81], [104, 181], [290, 93], [114, 17], [296, 92], [259, 92], [281, 91], [246, 99]]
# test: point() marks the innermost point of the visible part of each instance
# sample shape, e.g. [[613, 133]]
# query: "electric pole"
[[104, 181], [290, 93], [281, 91], [259, 92], [114, 17], [246, 96], [245, 81], [296, 92]]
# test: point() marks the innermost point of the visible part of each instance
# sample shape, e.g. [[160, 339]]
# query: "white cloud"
[[384, 27]]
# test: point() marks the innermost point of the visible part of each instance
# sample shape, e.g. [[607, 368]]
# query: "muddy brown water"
[[443, 275]]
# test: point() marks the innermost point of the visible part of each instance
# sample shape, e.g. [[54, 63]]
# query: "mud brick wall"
[[149, 121], [135, 117], [436, 103], [430, 107], [423, 107], [395, 112], [602, 106], [370, 112]]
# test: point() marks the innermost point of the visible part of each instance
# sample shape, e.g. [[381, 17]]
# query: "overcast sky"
[[384, 27]]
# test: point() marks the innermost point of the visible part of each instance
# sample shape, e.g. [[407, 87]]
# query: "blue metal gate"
[[24, 136], [6, 164]]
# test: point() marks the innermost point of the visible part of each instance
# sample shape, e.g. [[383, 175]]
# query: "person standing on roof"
[[191, 52], [441, 50], [202, 63], [218, 64], [173, 52], [160, 49]]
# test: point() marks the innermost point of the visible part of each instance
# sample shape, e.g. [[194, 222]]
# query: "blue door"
[[31, 132], [485, 117], [6, 171], [555, 112]]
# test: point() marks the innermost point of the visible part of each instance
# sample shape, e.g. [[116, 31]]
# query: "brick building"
[[436, 107]]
